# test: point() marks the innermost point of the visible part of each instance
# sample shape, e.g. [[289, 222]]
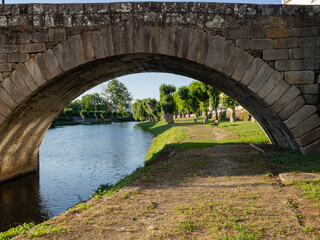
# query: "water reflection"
[[74, 161]]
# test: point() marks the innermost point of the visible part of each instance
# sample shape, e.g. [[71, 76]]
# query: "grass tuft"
[[12, 232]]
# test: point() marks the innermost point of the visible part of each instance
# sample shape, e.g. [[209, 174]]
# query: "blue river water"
[[74, 161]]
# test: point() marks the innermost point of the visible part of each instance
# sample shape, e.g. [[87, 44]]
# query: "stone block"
[[74, 51], [193, 49], [312, 64], [292, 107], [57, 35], [306, 126], [276, 54], [276, 93], [12, 90], [290, 42], [242, 66], [245, 44], [254, 67], [3, 58], [4, 109], [305, 32], [309, 42], [217, 44], [235, 33], [26, 76], [278, 32], [98, 47], [309, 88], [233, 61], [270, 84], [61, 57], [286, 99], [2, 118], [7, 99], [35, 72], [9, 49], [39, 37], [18, 58], [299, 116], [305, 53], [21, 85], [300, 77], [256, 32], [261, 44], [52, 62], [312, 148], [33, 48], [289, 65], [87, 45], [43, 66], [309, 137], [261, 77], [108, 44], [311, 99], [5, 67], [223, 56]]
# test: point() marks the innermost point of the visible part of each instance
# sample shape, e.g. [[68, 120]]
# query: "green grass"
[[45, 229], [311, 189], [12, 232]]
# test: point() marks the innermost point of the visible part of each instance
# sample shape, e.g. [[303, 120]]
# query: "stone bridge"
[[267, 57]]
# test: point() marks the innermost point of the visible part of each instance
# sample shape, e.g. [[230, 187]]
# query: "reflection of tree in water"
[[20, 202]]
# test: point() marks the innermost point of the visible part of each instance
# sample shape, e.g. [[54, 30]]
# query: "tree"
[[168, 105], [93, 102], [84, 114], [230, 103], [185, 99], [139, 112], [152, 109], [214, 99], [198, 90], [117, 94]]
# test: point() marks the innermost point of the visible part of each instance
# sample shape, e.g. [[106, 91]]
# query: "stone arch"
[[37, 90]]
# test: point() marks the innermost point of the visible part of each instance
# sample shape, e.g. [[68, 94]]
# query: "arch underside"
[[27, 125]]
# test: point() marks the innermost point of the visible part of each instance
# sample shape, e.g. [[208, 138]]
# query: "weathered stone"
[[290, 42], [312, 148], [87, 45], [270, 84], [304, 53], [75, 58], [306, 126], [291, 108], [309, 42], [43, 66], [261, 44], [302, 114], [289, 65], [234, 33], [203, 50], [98, 47], [3, 58], [309, 137], [242, 66], [57, 35], [286, 99], [311, 99], [10, 49], [214, 50], [312, 64], [12, 90], [28, 79], [35, 72], [33, 48], [245, 44], [279, 32], [233, 61], [52, 62], [5, 67], [276, 54], [4, 109], [21, 85], [7, 99], [305, 32], [276, 93], [17, 58], [108, 45], [309, 88], [256, 32], [300, 77], [260, 78], [61, 57], [39, 37], [254, 67]]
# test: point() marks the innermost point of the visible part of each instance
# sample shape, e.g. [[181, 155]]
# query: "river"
[[74, 161]]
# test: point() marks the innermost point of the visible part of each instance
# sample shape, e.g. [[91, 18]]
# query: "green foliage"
[[168, 105], [93, 102], [146, 109], [199, 91], [45, 229], [228, 102], [117, 94], [12, 232], [311, 189], [84, 114], [139, 112]]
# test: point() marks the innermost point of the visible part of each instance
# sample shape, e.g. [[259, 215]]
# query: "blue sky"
[[144, 85]]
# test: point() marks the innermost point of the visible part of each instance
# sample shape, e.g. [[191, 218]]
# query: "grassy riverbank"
[[198, 189]]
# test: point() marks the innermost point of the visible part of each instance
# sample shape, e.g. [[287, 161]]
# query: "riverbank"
[[223, 191]]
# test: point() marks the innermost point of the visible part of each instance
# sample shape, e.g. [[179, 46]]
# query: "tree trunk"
[[164, 117], [207, 115], [170, 118], [175, 114], [233, 115], [216, 113], [188, 113], [183, 114]]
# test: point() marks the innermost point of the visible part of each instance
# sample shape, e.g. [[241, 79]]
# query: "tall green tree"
[[93, 102], [198, 90], [167, 102], [186, 99], [214, 99], [230, 103], [152, 108], [117, 94], [139, 112]]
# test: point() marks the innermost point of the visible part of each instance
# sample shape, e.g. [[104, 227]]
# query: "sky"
[[144, 85]]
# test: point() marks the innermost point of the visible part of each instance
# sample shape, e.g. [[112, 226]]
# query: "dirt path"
[[197, 194]]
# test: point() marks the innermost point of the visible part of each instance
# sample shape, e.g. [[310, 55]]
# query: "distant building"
[[301, 2]]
